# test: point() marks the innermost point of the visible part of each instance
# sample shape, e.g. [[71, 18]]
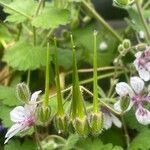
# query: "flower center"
[[140, 99]]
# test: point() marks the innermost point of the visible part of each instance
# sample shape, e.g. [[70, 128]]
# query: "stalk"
[[95, 92], [143, 20], [101, 20], [59, 96]]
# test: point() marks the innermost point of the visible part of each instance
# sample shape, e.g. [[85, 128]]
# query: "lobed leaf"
[[51, 18], [24, 56]]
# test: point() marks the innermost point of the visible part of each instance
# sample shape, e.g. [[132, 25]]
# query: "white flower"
[[23, 117], [142, 64], [137, 98], [110, 119]]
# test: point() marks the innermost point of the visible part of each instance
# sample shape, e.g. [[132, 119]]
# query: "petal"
[[137, 84], [107, 121], [148, 66], [31, 106], [35, 95], [124, 89], [144, 74], [18, 114], [143, 115], [117, 106], [116, 121], [12, 131], [138, 54], [136, 64]]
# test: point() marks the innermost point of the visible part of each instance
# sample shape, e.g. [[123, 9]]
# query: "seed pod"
[[61, 123], [126, 43], [124, 104], [44, 113], [81, 126], [96, 123], [23, 92]]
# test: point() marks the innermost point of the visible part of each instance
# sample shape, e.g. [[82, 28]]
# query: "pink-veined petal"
[[107, 121], [18, 114], [144, 74], [12, 131], [116, 121], [137, 84], [124, 89], [143, 115]]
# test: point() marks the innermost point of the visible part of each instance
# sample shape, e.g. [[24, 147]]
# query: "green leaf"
[[26, 7], [23, 56], [8, 96], [5, 115], [135, 21], [96, 144], [4, 33], [16, 145], [51, 18], [141, 141], [71, 141]]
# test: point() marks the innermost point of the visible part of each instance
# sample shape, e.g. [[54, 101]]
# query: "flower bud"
[[81, 126], [61, 123], [124, 104], [23, 92], [141, 46], [126, 43], [44, 113], [120, 48], [96, 123]]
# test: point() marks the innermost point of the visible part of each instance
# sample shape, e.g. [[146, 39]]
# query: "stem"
[[102, 102], [37, 138], [28, 77], [95, 92], [143, 19], [38, 7], [126, 132], [101, 77], [101, 20], [17, 11], [47, 77], [59, 96], [146, 4]]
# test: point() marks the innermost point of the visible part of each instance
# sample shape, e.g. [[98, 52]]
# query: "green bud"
[[124, 104], [81, 126], [126, 43], [61, 123], [44, 113], [23, 92], [141, 46], [96, 123], [120, 48]]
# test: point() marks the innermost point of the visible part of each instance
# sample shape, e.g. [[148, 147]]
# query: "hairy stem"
[[140, 11], [101, 20]]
